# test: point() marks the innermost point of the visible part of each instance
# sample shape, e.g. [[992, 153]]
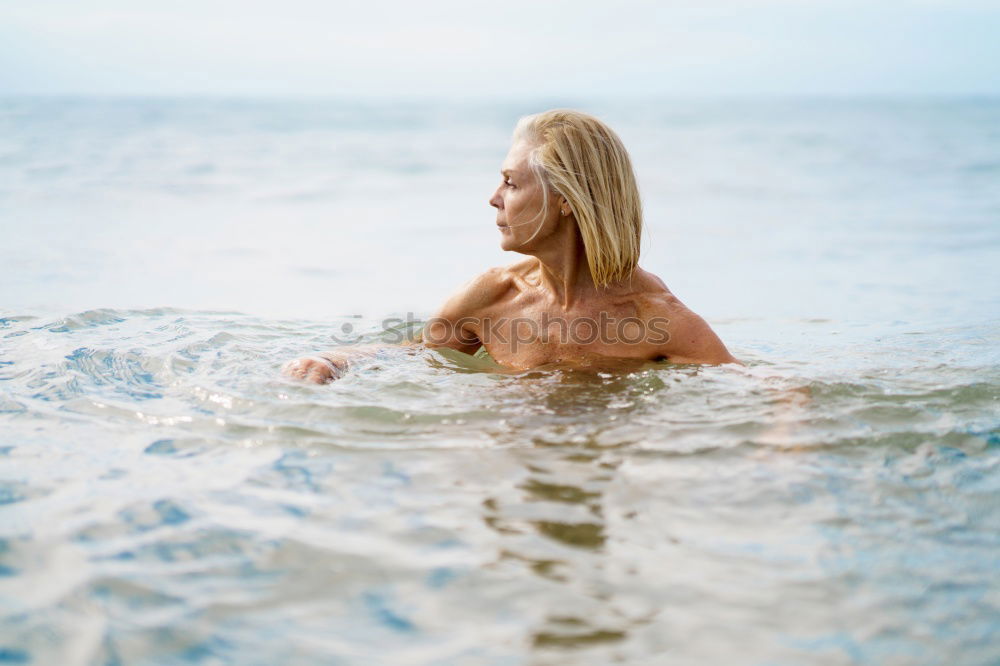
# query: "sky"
[[505, 49]]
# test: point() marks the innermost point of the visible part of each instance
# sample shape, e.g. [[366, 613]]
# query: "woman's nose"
[[495, 200]]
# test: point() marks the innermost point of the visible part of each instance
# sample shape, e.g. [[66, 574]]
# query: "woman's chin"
[[506, 239]]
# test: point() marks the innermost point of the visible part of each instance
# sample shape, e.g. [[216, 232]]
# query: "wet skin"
[[541, 309]]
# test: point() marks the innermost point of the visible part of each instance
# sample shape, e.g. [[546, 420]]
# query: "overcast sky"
[[503, 49]]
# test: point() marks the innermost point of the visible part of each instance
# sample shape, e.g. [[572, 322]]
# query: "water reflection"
[[552, 525], [562, 515]]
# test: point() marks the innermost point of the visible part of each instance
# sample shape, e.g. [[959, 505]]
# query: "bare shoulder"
[[479, 293], [455, 324], [653, 298], [691, 339]]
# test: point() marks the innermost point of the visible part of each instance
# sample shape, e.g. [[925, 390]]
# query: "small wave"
[[129, 373], [87, 319]]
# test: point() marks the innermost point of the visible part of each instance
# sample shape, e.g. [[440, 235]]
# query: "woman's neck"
[[563, 268]]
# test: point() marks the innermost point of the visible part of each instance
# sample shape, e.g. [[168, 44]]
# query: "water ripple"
[[166, 495]]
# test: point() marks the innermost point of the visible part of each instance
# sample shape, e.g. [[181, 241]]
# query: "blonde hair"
[[585, 162]]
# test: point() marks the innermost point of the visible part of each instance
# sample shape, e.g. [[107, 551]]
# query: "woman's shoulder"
[[652, 294], [691, 339], [485, 289], [520, 268], [499, 280]]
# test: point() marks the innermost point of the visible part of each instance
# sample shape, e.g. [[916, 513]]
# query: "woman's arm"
[[326, 366], [692, 340], [451, 326]]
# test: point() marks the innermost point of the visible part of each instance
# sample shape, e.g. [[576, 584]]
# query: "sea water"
[[167, 497]]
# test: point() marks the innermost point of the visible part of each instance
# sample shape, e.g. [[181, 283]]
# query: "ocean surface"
[[166, 497]]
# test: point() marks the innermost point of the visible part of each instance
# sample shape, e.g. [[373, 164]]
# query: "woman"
[[568, 200]]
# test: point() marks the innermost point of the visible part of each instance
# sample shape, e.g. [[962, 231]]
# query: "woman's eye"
[[508, 183]]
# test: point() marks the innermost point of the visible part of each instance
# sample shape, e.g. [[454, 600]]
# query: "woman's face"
[[519, 202]]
